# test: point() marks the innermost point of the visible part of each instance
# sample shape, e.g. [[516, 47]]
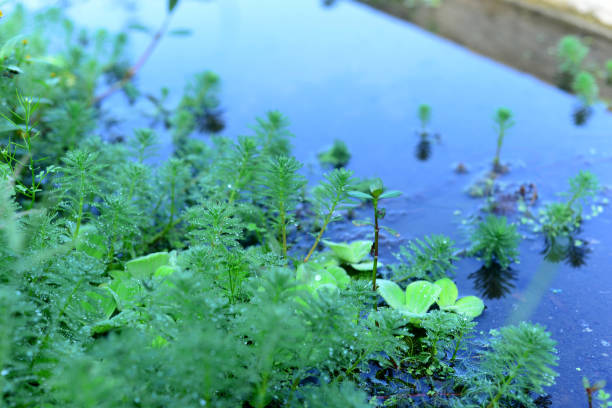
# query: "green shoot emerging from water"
[[377, 193], [585, 86], [424, 114], [330, 197], [494, 240], [503, 122], [562, 219]]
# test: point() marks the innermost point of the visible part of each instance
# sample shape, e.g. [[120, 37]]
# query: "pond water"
[[348, 72]]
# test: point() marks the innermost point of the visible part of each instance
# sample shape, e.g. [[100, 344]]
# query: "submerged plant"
[[377, 193], [337, 156], [503, 121], [494, 240]]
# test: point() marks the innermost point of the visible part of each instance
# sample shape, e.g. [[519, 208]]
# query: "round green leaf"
[[391, 293], [420, 295], [448, 294], [469, 306]]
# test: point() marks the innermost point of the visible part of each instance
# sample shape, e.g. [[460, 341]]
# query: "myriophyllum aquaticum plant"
[[330, 197], [503, 122], [377, 193]]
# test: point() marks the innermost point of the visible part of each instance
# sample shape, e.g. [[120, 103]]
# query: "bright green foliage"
[[503, 121], [608, 71], [282, 186], [124, 283], [562, 219], [517, 363], [376, 193], [571, 53], [468, 306], [80, 183], [424, 114], [329, 198], [421, 295], [272, 133], [431, 259], [415, 301], [352, 253], [494, 240], [337, 156], [585, 86]]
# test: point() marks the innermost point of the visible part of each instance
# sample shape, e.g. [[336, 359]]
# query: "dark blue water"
[[352, 73]]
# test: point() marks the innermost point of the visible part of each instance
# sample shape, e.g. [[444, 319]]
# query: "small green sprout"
[[377, 193], [503, 121], [494, 240], [564, 218], [424, 114], [585, 87]]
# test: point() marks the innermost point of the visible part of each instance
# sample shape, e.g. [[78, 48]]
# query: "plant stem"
[[376, 231], [320, 235], [500, 140], [283, 230], [138, 65]]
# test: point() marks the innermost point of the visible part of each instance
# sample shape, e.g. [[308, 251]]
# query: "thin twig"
[[138, 65]]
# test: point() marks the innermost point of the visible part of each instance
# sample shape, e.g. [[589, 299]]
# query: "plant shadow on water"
[[493, 281], [573, 251]]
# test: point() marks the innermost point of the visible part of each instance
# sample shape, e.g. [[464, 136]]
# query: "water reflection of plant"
[[493, 281], [423, 148], [566, 248]]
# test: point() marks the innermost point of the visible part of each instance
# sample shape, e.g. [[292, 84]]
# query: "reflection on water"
[[423, 149], [582, 114], [572, 250], [493, 281]]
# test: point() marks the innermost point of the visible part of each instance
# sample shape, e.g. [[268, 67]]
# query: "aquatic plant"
[[518, 362], [565, 218], [331, 197], [494, 240], [419, 296], [596, 389], [377, 193], [282, 185], [118, 268], [571, 53], [431, 259], [503, 121], [337, 156], [424, 115]]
